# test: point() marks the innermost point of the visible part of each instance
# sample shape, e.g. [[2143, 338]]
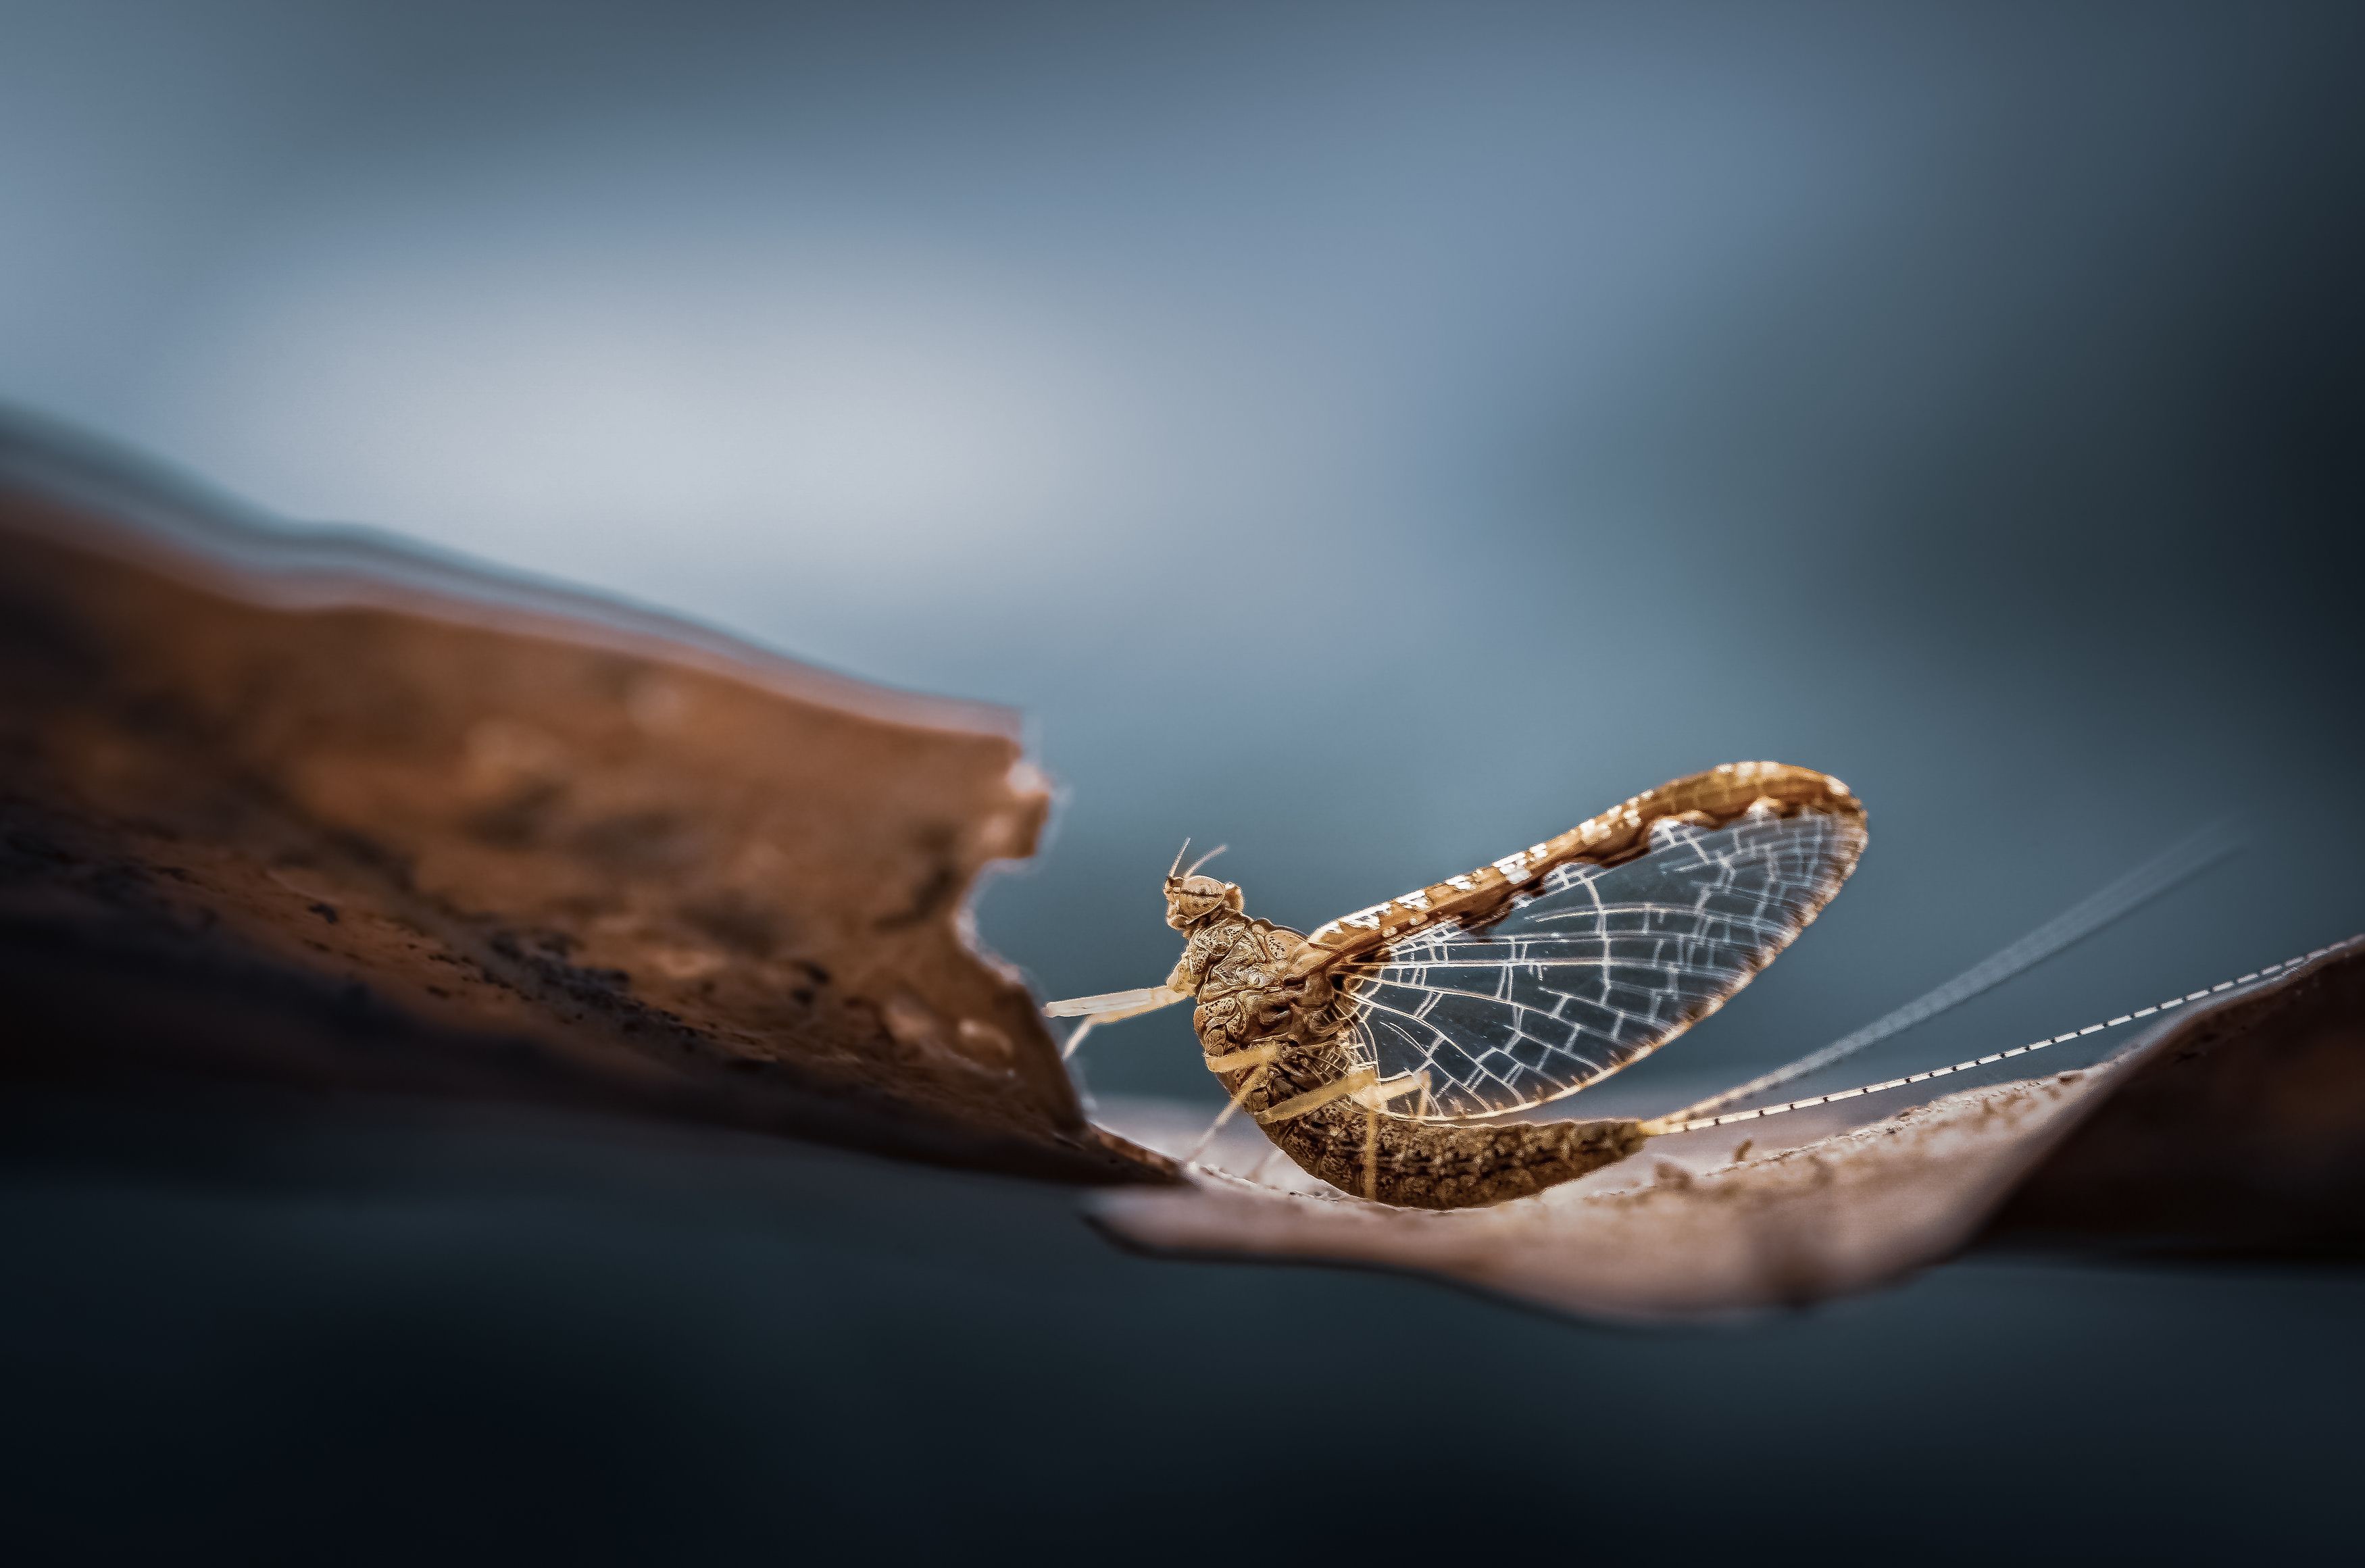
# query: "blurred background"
[[1373, 436]]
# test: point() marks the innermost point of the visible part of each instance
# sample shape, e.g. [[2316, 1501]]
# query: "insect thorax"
[[1237, 967]]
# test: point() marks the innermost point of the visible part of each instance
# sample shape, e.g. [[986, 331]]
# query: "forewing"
[[1598, 967]]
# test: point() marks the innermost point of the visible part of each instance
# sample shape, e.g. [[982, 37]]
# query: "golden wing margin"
[[1723, 795], [1365, 946]]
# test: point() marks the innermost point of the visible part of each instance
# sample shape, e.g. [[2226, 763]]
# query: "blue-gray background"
[[1374, 436]]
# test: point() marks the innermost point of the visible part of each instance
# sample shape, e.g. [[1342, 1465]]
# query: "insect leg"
[[1371, 1154], [1248, 1087], [1108, 1008], [1371, 1099], [1115, 1004]]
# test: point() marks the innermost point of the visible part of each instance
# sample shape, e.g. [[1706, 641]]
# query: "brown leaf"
[[310, 809], [2241, 1132], [2237, 1125]]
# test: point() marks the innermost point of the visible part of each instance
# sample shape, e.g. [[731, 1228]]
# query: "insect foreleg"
[[1108, 1008]]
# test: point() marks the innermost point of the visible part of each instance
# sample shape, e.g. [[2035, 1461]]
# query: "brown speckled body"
[[1279, 1029], [1238, 969]]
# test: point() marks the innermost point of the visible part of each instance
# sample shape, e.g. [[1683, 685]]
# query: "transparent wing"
[[1595, 968]]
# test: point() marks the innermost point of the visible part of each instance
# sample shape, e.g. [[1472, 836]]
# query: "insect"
[[1373, 1050]]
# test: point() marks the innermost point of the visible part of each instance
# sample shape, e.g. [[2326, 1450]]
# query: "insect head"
[[1190, 898]]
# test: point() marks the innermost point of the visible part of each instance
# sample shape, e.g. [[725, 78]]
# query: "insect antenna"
[[1203, 858], [1175, 872], [2178, 864]]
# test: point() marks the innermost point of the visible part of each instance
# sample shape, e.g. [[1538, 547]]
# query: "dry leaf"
[[2240, 1122], [317, 810]]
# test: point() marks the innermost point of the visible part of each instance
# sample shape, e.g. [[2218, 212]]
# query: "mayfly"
[[1378, 1051]]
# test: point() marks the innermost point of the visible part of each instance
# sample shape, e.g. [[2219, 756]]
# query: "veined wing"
[[1595, 965]]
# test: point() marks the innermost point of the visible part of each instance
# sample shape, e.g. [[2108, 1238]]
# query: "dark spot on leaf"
[[736, 922], [521, 821]]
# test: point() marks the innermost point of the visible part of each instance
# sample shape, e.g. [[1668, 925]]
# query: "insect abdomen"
[[1433, 1165]]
